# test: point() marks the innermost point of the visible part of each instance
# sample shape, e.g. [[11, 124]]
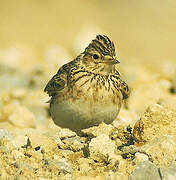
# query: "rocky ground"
[[139, 145]]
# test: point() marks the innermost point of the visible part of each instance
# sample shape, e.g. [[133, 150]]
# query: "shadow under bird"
[[88, 90]]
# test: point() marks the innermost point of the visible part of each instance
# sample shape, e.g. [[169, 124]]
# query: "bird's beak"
[[110, 60], [114, 61]]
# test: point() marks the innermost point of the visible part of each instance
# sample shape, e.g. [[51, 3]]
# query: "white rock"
[[42, 141], [140, 157], [62, 164], [98, 130], [19, 141], [5, 134], [61, 132], [145, 171], [101, 147]]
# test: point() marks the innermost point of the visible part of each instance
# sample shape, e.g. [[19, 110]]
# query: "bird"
[[88, 90]]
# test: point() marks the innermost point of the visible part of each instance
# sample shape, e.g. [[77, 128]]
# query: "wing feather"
[[124, 89], [57, 83]]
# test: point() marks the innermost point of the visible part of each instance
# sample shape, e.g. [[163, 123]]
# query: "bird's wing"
[[58, 81], [56, 84], [124, 89]]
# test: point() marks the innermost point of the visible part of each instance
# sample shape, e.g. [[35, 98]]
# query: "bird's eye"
[[95, 56]]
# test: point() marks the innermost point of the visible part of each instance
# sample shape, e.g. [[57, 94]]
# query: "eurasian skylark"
[[89, 89]]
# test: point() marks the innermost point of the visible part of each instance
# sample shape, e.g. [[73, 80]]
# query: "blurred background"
[[142, 30], [37, 37]]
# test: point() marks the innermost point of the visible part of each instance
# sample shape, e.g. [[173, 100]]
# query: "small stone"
[[5, 134], [130, 149], [66, 153], [65, 133], [62, 165], [56, 138], [84, 165], [141, 157], [73, 143], [145, 171], [101, 148], [19, 141], [98, 130], [62, 132], [42, 141]]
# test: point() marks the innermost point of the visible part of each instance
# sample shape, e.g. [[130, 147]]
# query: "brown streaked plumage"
[[89, 89]]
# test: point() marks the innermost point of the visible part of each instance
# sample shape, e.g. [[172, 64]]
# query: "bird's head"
[[99, 56]]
